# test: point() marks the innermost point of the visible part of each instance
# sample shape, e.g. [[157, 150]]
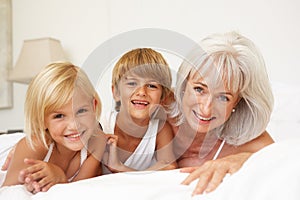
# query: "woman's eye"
[[223, 98], [58, 116], [199, 89]]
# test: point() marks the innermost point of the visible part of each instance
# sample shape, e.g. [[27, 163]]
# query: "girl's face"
[[206, 108], [74, 123], [139, 97]]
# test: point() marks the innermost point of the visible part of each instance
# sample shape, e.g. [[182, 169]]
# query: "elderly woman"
[[223, 105]]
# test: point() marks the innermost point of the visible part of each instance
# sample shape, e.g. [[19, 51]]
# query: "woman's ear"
[[116, 93], [237, 102]]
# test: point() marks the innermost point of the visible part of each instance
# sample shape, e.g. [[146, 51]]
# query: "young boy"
[[141, 138]]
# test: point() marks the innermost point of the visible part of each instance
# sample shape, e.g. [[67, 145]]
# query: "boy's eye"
[[131, 83], [153, 86], [58, 116]]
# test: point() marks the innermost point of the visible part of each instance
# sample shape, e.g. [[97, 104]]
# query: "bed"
[[272, 173]]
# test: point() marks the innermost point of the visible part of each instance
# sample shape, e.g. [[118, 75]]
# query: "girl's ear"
[[95, 103], [116, 93], [45, 127]]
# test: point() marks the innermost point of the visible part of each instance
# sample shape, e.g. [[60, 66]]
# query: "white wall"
[[82, 25]]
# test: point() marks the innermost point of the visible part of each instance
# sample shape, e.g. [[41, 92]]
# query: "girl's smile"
[[74, 123]]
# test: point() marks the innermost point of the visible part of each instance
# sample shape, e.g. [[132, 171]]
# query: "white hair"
[[237, 60]]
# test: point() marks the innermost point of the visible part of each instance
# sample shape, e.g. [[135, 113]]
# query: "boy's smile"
[[140, 104], [138, 96]]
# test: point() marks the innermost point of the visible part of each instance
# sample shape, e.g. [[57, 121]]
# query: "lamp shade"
[[35, 54]]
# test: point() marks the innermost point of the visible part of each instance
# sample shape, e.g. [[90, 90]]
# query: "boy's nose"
[[141, 91]]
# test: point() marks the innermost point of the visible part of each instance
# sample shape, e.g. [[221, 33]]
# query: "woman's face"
[[205, 107]]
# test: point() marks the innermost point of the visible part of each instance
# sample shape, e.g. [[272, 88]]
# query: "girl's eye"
[[223, 98], [82, 110], [58, 116]]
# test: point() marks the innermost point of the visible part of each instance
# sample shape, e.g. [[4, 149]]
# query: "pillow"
[[285, 120]]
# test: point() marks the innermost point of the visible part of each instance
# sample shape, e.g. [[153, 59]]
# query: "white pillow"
[[285, 119]]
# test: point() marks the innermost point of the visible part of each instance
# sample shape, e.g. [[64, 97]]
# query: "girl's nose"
[[73, 124]]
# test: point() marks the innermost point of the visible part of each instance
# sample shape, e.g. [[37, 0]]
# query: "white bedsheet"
[[272, 173]]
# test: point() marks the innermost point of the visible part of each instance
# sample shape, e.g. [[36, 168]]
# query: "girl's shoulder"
[[35, 151]]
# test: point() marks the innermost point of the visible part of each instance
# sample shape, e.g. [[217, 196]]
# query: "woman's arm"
[[212, 172], [257, 143]]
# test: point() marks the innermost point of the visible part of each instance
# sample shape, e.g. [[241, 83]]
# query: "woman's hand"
[[212, 172]]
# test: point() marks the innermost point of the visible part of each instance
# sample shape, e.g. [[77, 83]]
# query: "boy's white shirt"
[[144, 155]]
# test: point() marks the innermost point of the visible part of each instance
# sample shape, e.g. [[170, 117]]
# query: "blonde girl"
[[63, 140]]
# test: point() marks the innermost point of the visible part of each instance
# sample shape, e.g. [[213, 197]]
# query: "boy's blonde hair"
[[146, 63], [51, 89], [235, 59]]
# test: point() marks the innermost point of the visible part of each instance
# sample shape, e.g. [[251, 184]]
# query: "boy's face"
[[139, 96]]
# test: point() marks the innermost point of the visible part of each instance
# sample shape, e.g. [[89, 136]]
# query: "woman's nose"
[[206, 105]]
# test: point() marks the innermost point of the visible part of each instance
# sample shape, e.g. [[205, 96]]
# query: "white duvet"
[[271, 174]]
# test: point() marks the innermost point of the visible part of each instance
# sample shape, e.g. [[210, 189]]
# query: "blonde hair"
[[234, 58], [51, 89], [144, 62]]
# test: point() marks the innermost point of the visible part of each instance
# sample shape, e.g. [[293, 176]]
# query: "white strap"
[[47, 157], [219, 150]]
